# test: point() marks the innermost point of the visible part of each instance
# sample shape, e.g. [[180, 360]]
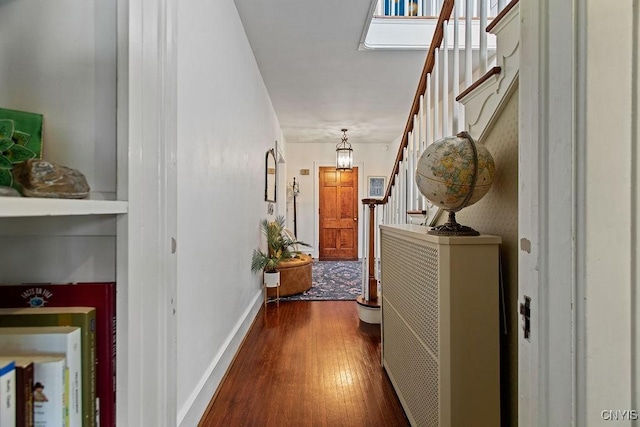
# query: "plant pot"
[[271, 279]]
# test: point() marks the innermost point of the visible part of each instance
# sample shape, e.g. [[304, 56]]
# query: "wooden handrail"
[[445, 14], [484, 78], [372, 201], [501, 15]]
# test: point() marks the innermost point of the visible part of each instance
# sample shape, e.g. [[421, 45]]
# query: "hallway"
[[307, 363]]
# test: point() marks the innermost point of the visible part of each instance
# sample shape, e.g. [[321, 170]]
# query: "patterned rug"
[[332, 281]]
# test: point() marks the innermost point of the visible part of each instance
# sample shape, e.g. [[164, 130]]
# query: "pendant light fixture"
[[344, 154]]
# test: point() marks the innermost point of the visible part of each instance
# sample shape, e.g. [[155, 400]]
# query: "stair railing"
[[434, 113], [432, 8]]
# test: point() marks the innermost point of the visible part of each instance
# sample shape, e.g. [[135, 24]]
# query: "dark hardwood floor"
[[307, 364]]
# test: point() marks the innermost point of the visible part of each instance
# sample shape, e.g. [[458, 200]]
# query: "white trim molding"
[[578, 196], [547, 212], [146, 245], [193, 410]]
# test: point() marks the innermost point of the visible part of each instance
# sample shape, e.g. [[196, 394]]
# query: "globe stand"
[[452, 228]]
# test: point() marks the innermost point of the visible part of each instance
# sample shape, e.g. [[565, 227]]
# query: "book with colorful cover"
[[7, 392], [44, 340], [50, 391], [102, 296], [85, 319], [24, 390]]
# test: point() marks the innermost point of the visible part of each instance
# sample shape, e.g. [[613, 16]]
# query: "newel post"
[[368, 304], [373, 283]]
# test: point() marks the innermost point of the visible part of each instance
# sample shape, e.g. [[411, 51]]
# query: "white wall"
[[609, 162], [225, 125], [579, 188], [372, 160]]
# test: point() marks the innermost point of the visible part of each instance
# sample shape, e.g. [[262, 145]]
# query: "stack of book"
[[57, 355]]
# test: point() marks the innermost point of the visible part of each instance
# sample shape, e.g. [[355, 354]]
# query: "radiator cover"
[[440, 331]]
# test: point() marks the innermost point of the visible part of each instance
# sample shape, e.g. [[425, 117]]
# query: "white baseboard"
[[192, 411]]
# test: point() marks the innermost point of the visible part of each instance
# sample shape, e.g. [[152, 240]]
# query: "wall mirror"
[[270, 177]]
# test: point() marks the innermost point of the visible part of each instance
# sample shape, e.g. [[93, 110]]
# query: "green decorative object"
[[20, 140], [279, 246], [453, 173]]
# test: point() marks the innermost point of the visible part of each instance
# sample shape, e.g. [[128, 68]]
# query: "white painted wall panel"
[[226, 123], [58, 259], [608, 189]]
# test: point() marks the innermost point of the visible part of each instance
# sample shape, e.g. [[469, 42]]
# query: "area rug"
[[332, 281]]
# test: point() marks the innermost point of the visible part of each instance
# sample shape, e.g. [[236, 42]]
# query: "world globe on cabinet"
[[452, 173]]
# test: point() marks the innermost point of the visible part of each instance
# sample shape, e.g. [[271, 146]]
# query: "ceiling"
[[318, 80]]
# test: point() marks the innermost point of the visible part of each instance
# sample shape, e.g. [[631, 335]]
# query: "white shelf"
[[37, 207]]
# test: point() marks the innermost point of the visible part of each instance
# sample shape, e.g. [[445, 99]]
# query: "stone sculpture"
[[39, 178]]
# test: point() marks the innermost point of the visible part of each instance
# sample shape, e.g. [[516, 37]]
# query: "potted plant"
[[279, 247]]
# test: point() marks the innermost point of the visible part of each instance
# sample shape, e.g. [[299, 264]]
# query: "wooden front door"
[[338, 214]]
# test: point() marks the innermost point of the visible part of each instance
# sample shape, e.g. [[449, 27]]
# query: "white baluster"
[[395, 200], [410, 149], [422, 121], [380, 8], [400, 193], [389, 207], [416, 156], [407, 183], [483, 37], [501, 4], [468, 48], [456, 68], [384, 212], [406, 7], [385, 220], [436, 95], [406, 186], [445, 79], [392, 214], [410, 166], [428, 123]]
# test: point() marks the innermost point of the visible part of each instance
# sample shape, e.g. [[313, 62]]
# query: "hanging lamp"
[[344, 153]]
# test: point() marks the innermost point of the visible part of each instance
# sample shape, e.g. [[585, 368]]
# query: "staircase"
[[445, 104], [462, 87]]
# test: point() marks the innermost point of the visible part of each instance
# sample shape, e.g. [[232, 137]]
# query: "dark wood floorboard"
[[307, 363]]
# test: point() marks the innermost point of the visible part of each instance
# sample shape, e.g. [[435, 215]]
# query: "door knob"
[[355, 218]]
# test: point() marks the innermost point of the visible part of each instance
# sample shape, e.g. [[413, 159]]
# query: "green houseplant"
[[280, 246]]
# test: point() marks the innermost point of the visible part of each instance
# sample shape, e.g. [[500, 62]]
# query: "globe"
[[452, 173]]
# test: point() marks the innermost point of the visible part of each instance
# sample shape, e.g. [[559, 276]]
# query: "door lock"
[[525, 312]]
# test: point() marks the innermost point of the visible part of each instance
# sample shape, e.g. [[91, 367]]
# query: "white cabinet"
[[440, 327]]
